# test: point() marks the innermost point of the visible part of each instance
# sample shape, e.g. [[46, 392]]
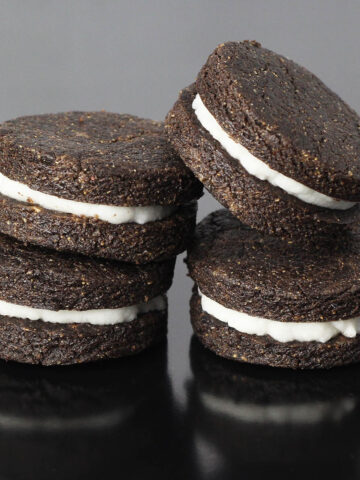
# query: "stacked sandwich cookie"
[[61, 309], [99, 205], [262, 300], [281, 151], [100, 184], [271, 142]]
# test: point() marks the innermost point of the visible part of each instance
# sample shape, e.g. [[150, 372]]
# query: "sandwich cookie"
[[60, 309], [100, 184], [270, 141], [263, 300]]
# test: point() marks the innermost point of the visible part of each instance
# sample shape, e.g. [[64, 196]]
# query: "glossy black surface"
[[178, 413], [88, 421]]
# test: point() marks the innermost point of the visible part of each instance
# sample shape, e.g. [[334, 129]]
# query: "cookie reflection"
[[258, 419], [85, 421]]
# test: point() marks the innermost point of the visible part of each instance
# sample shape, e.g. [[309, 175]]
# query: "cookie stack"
[[106, 205], [281, 151]]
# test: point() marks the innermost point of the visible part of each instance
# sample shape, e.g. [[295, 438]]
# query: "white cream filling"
[[280, 331], [102, 316], [107, 213], [258, 168]]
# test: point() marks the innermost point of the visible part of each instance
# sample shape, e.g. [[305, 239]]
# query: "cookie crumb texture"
[[227, 342], [129, 242], [99, 158], [260, 275], [255, 202], [38, 342], [45, 279], [96, 157], [285, 116]]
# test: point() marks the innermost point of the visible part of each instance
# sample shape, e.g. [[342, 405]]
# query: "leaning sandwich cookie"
[[60, 309], [270, 141], [97, 183], [262, 300]]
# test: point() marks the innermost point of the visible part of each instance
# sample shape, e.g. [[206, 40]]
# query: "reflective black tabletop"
[[178, 411]]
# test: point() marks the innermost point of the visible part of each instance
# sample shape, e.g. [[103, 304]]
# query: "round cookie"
[[262, 300], [270, 141], [97, 183], [60, 309]]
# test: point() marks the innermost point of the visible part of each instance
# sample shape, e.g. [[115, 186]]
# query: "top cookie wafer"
[[285, 116], [95, 157]]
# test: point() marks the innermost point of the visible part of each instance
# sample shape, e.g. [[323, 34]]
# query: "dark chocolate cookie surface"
[[270, 278], [264, 350], [285, 116], [96, 183], [96, 157], [38, 342], [62, 283], [128, 242], [45, 279], [256, 202]]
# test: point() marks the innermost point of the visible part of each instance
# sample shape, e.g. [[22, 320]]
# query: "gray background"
[[134, 56]]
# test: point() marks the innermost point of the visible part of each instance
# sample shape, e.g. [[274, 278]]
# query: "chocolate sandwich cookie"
[[60, 309], [270, 141], [263, 300], [97, 183]]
